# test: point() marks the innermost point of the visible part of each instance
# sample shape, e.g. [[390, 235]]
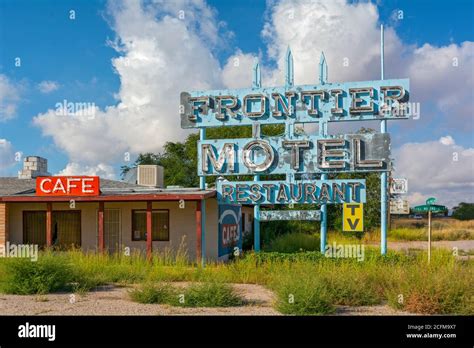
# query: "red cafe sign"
[[67, 186]]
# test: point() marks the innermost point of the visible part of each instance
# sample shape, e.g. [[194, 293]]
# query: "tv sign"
[[68, 186], [230, 228]]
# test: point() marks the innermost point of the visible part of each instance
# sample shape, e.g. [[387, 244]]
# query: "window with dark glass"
[[159, 225], [65, 228]]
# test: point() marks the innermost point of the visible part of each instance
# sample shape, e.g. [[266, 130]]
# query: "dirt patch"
[[369, 310], [116, 301], [112, 300]]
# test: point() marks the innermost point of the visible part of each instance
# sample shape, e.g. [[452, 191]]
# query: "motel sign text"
[[298, 155]]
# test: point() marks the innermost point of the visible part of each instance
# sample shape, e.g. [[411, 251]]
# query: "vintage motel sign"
[[351, 101], [281, 215], [68, 186], [398, 186], [283, 192], [353, 217], [298, 155], [399, 207]]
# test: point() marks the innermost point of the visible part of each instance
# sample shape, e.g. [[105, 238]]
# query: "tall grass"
[[442, 229], [304, 282], [294, 242]]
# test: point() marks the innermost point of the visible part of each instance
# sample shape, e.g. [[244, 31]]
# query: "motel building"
[[101, 215]]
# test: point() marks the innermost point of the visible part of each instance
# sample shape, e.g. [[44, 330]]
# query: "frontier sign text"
[[352, 101]]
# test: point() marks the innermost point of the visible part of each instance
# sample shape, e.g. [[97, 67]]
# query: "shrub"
[[209, 294], [302, 296], [212, 294], [47, 274], [153, 293]]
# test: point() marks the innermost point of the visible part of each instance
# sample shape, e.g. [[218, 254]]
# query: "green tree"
[[464, 211]]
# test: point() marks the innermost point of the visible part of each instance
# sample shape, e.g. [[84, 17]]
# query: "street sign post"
[[430, 208]]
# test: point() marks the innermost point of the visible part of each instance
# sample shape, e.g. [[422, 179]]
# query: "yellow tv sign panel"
[[353, 217]]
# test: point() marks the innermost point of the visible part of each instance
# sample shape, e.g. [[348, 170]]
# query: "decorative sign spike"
[[289, 72], [257, 77], [323, 70]]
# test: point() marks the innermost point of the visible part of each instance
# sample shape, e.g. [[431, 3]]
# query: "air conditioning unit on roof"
[[150, 175]]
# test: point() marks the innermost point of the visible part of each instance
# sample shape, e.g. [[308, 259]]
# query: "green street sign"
[[433, 208], [431, 201]]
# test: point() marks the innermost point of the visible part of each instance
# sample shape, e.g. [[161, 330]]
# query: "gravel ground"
[[112, 300]]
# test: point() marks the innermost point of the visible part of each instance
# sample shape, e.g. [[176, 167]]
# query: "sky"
[[129, 60]]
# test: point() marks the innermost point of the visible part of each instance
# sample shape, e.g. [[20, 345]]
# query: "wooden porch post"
[[100, 227], [49, 224], [198, 231], [149, 233]]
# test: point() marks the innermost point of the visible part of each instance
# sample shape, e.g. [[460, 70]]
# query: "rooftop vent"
[[150, 175], [34, 166]]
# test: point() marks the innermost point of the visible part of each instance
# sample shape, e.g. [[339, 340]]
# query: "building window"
[[65, 228], [34, 227], [159, 225]]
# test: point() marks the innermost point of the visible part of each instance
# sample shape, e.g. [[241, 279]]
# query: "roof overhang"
[[114, 198]]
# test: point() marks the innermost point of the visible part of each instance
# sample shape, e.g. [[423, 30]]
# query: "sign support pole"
[[202, 185], [256, 83], [323, 68], [429, 236], [383, 177], [256, 222]]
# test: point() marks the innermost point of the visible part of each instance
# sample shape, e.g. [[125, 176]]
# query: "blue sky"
[[76, 55]]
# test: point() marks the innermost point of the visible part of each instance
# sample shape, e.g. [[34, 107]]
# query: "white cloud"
[[48, 86], [437, 168], [7, 156], [9, 98], [237, 72], [444, 75], [102, 170], [162, 55], [447, 140], [350, 33]]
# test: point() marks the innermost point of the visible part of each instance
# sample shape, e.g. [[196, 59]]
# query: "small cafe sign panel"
[[68, 186]]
